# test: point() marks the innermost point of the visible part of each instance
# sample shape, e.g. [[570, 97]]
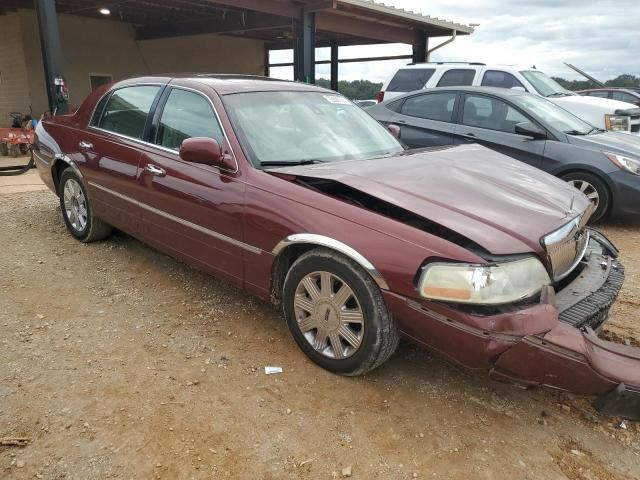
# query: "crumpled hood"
[[606, 105], [501, 204]]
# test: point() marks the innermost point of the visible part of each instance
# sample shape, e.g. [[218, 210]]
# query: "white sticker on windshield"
[[337, 99]]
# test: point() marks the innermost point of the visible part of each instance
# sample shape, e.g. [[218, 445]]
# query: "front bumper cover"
[[553, 344]]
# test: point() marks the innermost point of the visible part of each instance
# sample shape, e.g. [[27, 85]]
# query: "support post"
[[334, 65], [304, 53], [420, 48], [51, 55], [266, 60]]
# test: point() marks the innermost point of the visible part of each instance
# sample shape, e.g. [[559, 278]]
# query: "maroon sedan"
[[297, 195]]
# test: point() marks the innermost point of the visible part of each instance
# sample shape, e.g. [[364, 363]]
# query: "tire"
[[4, 150], [594, 188], [78, 214], [14, 150], [361, 325]]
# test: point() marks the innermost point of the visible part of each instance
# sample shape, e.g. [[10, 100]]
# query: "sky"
[[600, 37]]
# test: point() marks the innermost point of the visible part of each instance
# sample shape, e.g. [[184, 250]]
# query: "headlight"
[[495, 284], [629, 164], [617, 123]]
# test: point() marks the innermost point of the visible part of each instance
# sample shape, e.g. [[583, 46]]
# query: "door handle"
[[84, 145], [401, 122], [153, 170]]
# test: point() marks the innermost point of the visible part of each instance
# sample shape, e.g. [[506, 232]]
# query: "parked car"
[[601, 112], [628, 95], [297, 195], [605, 166]]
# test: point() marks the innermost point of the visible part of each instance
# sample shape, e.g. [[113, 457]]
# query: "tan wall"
[[14, 90], [104, 47]]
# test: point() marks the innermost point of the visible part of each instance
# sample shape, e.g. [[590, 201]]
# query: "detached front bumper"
[[552, 344]]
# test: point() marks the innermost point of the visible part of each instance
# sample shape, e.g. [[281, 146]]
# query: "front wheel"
[[595, 190], [336, 313], [77, 211]]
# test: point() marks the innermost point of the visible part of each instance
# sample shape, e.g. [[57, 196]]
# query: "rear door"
[[192, 210], [426, 120], [491, 122], [109, 151]]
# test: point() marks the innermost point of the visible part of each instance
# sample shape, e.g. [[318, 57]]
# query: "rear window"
[[457, 77], [127, 109], [431, 106], [410, 79], [496, 78]]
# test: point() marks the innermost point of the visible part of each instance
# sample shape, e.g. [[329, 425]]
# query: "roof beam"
[[263, 6], [362, 28], [230, 23]]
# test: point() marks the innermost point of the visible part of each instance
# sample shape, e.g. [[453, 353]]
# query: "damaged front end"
[[553, 343]]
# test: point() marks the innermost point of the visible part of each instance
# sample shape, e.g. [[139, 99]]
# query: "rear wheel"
[[4, 150], [336, 313], [595, 190], [76, 210]]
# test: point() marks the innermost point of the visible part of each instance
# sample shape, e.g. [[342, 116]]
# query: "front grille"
[[566, 246]]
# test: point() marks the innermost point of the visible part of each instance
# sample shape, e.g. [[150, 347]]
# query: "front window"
[[280, 128], [545, 86], [553, 115], [186, 114], [491, 113]]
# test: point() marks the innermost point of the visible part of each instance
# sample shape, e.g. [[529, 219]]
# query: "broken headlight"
[[491, 284]]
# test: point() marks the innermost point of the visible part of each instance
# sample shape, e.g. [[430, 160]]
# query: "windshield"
[[545, 86], [281, 128], [553, 115]]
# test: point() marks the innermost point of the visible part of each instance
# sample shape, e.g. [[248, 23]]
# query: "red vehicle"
[[295, 194]]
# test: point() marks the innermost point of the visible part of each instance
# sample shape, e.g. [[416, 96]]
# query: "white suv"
[[600, 112]]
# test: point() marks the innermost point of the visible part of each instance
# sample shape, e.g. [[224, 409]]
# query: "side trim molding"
[[181, 221], [334, 245]]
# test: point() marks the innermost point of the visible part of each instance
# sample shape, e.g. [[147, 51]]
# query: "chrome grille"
[[567, 245]]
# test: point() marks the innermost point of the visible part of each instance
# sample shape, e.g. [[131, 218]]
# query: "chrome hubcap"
[[588, 189], [329, 315], [75, 205]]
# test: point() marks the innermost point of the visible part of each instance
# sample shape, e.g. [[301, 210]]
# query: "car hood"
[[614, 142], [605, 105], [501, 204]]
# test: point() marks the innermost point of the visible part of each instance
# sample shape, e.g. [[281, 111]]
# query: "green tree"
[[355, 90], [624, 80]]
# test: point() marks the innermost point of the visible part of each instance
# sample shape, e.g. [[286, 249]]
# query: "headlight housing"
[[626, 163], [491, 284], [617, 123]]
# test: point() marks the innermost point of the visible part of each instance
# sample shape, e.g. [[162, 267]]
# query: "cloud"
[[600, 37]]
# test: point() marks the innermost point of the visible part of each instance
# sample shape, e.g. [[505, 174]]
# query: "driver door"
[[491, 122]]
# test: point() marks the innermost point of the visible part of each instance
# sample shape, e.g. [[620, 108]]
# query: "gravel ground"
[[119, 362]]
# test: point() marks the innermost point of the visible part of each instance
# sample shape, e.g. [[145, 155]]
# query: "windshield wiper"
[[278, 163], [558, 94], [577, 132]]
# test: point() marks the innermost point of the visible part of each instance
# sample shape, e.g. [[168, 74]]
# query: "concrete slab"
[[27, 182]]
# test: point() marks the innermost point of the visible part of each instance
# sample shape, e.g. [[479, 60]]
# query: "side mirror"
[[394, 130], [529, 129], [206, 151]]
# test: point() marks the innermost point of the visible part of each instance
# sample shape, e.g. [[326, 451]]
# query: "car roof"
[[225, 84], [465, 65], [499, 92]]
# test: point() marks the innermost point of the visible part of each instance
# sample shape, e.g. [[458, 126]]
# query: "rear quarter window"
[[410, 79]]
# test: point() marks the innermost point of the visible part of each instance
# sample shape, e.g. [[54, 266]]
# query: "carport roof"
[[351, 22]]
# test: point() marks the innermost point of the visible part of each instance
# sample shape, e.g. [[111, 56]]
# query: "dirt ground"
[[119, 362]]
